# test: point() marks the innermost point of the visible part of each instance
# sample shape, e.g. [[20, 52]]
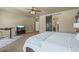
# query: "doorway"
[[49, 23]]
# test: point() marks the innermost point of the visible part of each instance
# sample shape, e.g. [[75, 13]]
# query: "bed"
[[52, 42]]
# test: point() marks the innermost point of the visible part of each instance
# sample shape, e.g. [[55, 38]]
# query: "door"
[[49, 23], [37, 26]]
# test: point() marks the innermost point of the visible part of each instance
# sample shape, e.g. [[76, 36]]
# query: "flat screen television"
[[20, 27]]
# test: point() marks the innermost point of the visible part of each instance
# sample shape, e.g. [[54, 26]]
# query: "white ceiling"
[[44, 10]]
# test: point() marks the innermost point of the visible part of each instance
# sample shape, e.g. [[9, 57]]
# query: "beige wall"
[[65, 20], [11, 19], [42, 23]]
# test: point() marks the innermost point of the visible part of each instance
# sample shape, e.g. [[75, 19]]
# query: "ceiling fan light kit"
[[32, 12]]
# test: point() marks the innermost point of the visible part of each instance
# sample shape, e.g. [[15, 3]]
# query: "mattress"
[[52, 42]]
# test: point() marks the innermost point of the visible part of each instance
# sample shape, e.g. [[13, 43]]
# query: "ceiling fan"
[[33, 10]]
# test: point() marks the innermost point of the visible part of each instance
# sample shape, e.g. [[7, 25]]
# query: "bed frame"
[[29, 49]]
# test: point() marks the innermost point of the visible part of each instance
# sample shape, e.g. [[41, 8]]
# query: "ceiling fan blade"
[[38, 10], [35, 9]]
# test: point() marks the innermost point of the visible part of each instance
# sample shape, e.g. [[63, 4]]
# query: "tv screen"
[[20, 26]]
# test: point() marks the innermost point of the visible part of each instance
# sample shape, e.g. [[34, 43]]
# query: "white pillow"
[[77, 36]]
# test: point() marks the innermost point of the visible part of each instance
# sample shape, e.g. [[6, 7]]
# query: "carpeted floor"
[[17, 45]]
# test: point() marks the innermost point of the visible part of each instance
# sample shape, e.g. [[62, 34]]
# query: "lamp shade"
[[76, 25]]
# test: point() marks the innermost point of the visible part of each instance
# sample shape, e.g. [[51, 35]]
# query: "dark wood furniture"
[[20, 32], [29, 49], [20, 29]]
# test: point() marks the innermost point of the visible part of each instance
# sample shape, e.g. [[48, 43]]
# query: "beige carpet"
[[17, 45]]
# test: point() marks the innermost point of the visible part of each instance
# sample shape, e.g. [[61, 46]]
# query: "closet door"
[[49, 23]]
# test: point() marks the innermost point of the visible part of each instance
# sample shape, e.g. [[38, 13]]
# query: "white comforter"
[[52, 42]]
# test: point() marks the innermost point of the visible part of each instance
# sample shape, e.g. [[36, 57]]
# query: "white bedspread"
[[52, 42], [36, 41], [60, 42]]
